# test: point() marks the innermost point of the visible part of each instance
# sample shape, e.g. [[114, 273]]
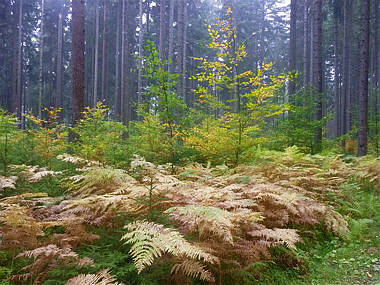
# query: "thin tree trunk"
[[58, 99], [377, 75], [337, 71], [141, 41], [171, 37], [16, 100], [180, 41], [317, 71], [306, 45], [117, 102], [104, 53], [364, 66], [184, 61], [162, 29], [78, 60], [96, 57], [346, 106], [40, 93], [125, 67], [293, 45]]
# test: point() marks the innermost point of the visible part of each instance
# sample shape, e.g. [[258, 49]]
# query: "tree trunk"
[[104, 54], [346, 105], [117, 99], [337, 70], [96, 57], [17, 89], [180, 41], [363, 89], [40, 93], [317, 71], [292, 45], [125, 98], [377, 73], [58, 98], [78, 60], [171, 37], [141, 42], [306, 45], [184, 58], [162, 29]]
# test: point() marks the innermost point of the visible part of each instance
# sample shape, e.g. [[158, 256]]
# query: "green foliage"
[[8, 135], [101, 139]]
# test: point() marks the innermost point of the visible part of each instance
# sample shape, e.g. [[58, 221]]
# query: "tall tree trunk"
[[293, 44], [58, 98], [306, 44], [337, 105], [346, 105], [104, 53], [125, 98], [117, 99], [171, 37], [17, 87], [96, 57], [317, 71], [363, 89], [78, 60], [40, 93], [184, 59], [141, 42], [162, 29], [180, 41], [377, 75]]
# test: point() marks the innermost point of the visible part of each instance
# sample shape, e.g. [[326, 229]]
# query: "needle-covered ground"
[[287, 218]]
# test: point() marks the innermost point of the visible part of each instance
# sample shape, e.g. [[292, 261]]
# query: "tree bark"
[[78, 60], [104, 53], [141, 42], [40, 93], [293, 45], [162, 29], [180, 41], [58, 98], [125, 98], [317, 71], [363, 89], [96, 57], [306, 45], [171, 37], [337, 69], [117, 99], [184, 56]]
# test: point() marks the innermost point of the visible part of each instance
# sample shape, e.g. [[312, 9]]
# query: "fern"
[[150, 241], [100, 278], [193, 269], [8, 182], [288, 237]]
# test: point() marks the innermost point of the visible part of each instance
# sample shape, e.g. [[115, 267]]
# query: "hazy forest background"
[[189, 141]]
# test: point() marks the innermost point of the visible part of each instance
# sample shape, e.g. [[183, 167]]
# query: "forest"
[[189, 142]]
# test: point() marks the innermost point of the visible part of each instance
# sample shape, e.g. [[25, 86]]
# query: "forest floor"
[[68, 220]]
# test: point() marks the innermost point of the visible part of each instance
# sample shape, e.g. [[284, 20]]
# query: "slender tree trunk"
[[96, 57], [40, 93], [126, 108], [104, 53], [346, 106], [184, 61], [171, 37], [363, 89], [162, 29], [317, 71], [117, 102], [58, 99], [306, 45], [141, 42], [78, 60], [377, 75], [17, 88], [180, 41], [293, 45], [337, 71]]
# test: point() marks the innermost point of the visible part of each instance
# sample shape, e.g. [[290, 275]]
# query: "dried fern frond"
[[8, 182], [150, 241], [205, 220], [46, 259], [193, 269], [102, 277], [288, 237], [34, 174], [77, 160]]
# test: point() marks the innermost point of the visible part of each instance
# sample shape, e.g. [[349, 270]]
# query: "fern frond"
[[100, 278], [8, 182], [288, 237], [193, 269], [150, 241], [205, 220], [34, 174]]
